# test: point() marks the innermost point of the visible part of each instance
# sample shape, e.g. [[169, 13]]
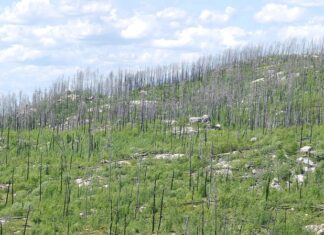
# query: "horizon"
[[42, 40]]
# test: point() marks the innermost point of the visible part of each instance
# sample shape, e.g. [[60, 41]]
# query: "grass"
[[120, 196]]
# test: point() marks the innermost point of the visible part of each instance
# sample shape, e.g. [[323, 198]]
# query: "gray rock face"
[[168, 156], [318, 229], [202, 119], [188, 130]]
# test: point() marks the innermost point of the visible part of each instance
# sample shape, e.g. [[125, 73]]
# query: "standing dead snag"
[[12, 186], [268, 188], [161, 211], [40, 177], [190, 167], [25, 226], [172, 179], [154, 205]]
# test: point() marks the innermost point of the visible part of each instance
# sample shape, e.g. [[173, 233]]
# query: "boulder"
[[195, 119], [305, 149], [315, 228], [275, 184], [185, 130], [168, 156], [300, 178], [306, 161], [203, 119]]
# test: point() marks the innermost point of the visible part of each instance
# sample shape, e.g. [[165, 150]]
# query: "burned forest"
[[228, 144]]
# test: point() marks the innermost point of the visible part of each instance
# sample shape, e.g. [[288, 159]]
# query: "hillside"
[[226, 145]]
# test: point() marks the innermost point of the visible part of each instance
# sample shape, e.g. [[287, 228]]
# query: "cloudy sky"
[[41, 40]]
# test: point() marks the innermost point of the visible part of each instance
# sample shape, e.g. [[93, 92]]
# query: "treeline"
[[253, 87]]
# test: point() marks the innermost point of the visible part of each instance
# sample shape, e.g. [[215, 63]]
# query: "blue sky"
[[41, 40]]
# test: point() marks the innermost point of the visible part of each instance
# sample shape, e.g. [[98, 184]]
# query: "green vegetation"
[[114, 188], [213, 148]]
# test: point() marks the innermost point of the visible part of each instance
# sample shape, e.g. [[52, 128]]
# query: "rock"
[[195, 119], [80, 182], [305, 149], [142, 208], [73, 97], [168, 156], [280, 75], [299, 178], [223, 165], [185, 130], [123, 162], [204, 119], [216, 127], [258, 80], [309, 169], [140, 155], [315, 228], [224, 172], [4, 186], [306, 161], [170, 122], [90, 98], [223, 168], [320, 232], [3, 220], [275, 184]]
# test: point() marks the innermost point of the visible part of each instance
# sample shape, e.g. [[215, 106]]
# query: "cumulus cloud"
[[278, 13], [305, 3], [18, 53], [97, 7], [135, 28], [172, 13], [69, 32], [12, 33], [25, 10], [211, 16], [204, 38], [308, 31]]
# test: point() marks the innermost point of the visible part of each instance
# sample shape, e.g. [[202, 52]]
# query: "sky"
[[42, 40]]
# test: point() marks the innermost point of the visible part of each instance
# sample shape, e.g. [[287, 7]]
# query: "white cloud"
[[97, 7], [171, 43], [204, 38], [69, 32], [306, 3], [316, 20], [278, 13], [25, 10], [12, 33], [18, 53], [172, 13], [308, 31], [135, 28], [210, 16]]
